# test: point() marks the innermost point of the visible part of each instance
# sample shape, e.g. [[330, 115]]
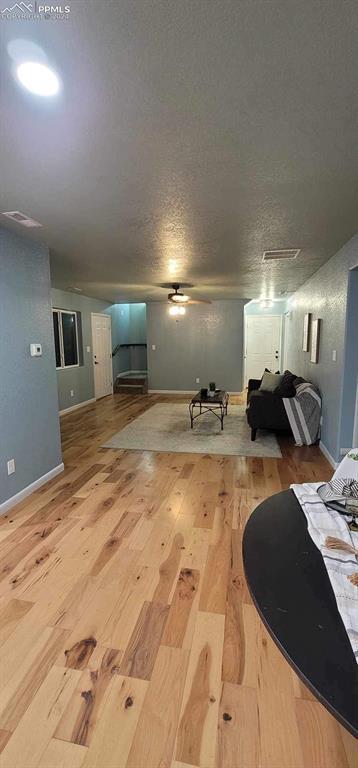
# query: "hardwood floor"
[[127, 633]]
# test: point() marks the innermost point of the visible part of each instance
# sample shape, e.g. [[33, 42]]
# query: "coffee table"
[[216, 405]]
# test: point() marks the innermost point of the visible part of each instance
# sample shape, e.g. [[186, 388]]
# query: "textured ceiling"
[[190, 136]]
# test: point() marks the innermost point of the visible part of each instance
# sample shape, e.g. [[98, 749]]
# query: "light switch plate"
[[36, 350], [153, 347], [334, 355], [197, 380], [11, 467]]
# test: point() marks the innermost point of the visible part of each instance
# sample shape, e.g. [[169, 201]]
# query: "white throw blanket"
[[337, 543], [304, 413]]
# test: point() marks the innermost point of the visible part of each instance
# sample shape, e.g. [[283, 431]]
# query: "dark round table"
[[292, 592]]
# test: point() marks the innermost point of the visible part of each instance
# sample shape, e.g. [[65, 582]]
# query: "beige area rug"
[[166, 427]]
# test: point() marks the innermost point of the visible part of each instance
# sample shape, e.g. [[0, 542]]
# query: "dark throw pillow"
[[298, 380], [286, 388]]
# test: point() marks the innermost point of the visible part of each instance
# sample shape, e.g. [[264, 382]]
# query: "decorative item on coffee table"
[[212, 389]]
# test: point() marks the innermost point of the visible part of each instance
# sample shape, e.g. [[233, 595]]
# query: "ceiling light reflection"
[[174, 311]]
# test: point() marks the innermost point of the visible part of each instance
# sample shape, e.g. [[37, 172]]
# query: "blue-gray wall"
[[325, 296], [29, 424], [206, 343], [79, 379]]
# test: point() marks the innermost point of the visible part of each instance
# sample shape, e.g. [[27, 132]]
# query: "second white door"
[[262, 345], [102, 355]]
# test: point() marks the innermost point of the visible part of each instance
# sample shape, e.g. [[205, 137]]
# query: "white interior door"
[[102, 355], [262, 345]]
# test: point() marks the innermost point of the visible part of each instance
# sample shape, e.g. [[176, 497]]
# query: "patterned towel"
[[337, 543], [304, 413]]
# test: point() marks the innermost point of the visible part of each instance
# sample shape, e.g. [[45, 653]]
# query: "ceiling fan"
[[177, 297]]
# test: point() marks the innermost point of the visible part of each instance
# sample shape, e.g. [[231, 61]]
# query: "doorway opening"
[[130, 348]]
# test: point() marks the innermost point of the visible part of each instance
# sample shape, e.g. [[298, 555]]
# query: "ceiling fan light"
[[179, 298]]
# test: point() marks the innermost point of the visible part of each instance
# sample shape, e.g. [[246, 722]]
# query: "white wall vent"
[[21, 218], [281, 255]]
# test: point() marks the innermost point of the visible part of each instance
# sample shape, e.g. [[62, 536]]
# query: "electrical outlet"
[[11, 467], [88, 349], [197, 380], [72, 393]]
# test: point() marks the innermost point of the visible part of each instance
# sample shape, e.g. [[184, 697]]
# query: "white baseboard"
[[172, 391], [179, 392], [30, 489], [328, 456], [78, 405]]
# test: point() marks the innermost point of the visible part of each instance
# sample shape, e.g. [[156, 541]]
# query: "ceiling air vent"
[[281, 255], [20, 218]]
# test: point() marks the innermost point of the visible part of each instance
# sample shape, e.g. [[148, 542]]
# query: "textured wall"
[[206, 343], [80, 379], [29, 426], [325, 295]]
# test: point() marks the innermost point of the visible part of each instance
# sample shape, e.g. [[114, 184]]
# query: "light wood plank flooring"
[[127, 633]]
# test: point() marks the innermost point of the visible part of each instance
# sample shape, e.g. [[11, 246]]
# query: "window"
[[66, 338]]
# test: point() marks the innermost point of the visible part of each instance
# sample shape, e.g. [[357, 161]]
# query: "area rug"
[[166, 427]]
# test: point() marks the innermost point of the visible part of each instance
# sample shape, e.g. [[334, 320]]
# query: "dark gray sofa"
[[265, 410]]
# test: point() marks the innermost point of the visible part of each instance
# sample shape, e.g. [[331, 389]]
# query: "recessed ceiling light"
[[266, 303], [38, 78]]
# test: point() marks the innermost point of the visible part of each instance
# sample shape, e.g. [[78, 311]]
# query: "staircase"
[[135, 384]]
